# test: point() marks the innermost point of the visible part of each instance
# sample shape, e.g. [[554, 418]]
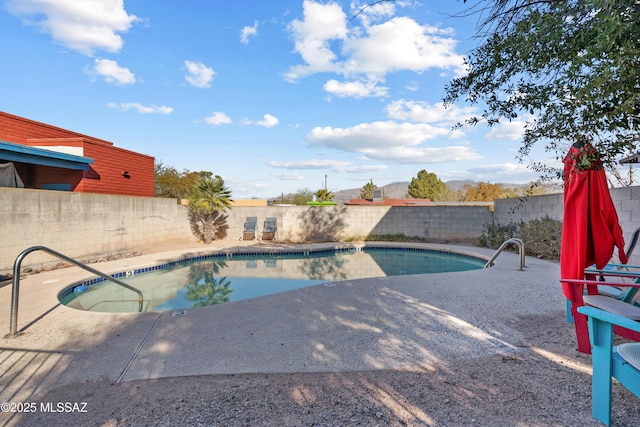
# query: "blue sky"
[[271, 95]]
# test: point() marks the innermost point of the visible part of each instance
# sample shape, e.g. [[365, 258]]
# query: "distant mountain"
[[459, 184]]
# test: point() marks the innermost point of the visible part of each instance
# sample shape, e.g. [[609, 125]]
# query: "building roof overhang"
[[38, 156]]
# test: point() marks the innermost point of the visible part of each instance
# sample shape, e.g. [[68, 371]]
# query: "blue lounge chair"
[[621, 362], [250, 227], [270, 229]]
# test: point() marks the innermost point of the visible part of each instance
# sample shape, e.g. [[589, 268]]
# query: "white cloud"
[[290, 176], [454, 153], [268, 121], [401, 44], [393, 142], [512, 172], [366, 168], [355, 89], [198, 74], [247, 32], [242, 185], [366, 137], [419, 111], [367, 53], [457, 134], [142, 109], [502, 168], [322, 23], [367, 11], [111, 72], [333, 165], [218, 118], [412, 86], [310, 164], [512, 131], [84, 26]]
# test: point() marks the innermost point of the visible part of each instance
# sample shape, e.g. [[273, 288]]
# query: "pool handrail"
[[15, 291], [518, 242]]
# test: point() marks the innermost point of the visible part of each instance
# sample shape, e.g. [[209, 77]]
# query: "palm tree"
[[324, 195], [207, 201]]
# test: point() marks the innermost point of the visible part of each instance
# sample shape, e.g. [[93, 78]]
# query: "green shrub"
[[541, 237], [496, 234]]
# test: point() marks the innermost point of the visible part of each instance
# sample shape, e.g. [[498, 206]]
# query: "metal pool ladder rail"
[[517, 242], [13, 325]]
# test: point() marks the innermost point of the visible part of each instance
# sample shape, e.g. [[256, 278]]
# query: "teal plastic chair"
[[608, 361]]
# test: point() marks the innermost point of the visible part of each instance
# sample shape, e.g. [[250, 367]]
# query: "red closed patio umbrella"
[[590, 228]]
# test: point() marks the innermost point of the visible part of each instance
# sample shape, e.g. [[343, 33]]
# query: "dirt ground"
[[548, 383]]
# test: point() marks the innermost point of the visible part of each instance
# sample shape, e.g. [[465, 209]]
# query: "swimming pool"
[[233, 276]]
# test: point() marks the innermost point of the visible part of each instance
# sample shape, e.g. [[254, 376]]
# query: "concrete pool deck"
[[402, 322]]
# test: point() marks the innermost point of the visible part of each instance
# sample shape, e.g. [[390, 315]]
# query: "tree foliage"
[[170, 183], [567, 68], [299, 198], [426, 185], [485, 192], [366, 192], [302, 196], [450, 194]]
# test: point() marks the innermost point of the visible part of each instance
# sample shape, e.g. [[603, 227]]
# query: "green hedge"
[[541, 237]]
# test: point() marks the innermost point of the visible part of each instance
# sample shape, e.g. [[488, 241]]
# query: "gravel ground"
[[547, 383]]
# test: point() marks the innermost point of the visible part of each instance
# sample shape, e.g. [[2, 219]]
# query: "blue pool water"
[[221, 278]]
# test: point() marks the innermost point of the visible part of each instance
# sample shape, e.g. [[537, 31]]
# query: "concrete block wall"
[[627, 202], [437, 223], [625, 199], [508, 211], [82, 225], [330, 223]]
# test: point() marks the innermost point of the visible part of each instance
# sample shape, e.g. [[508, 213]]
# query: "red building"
[[47, 157]]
